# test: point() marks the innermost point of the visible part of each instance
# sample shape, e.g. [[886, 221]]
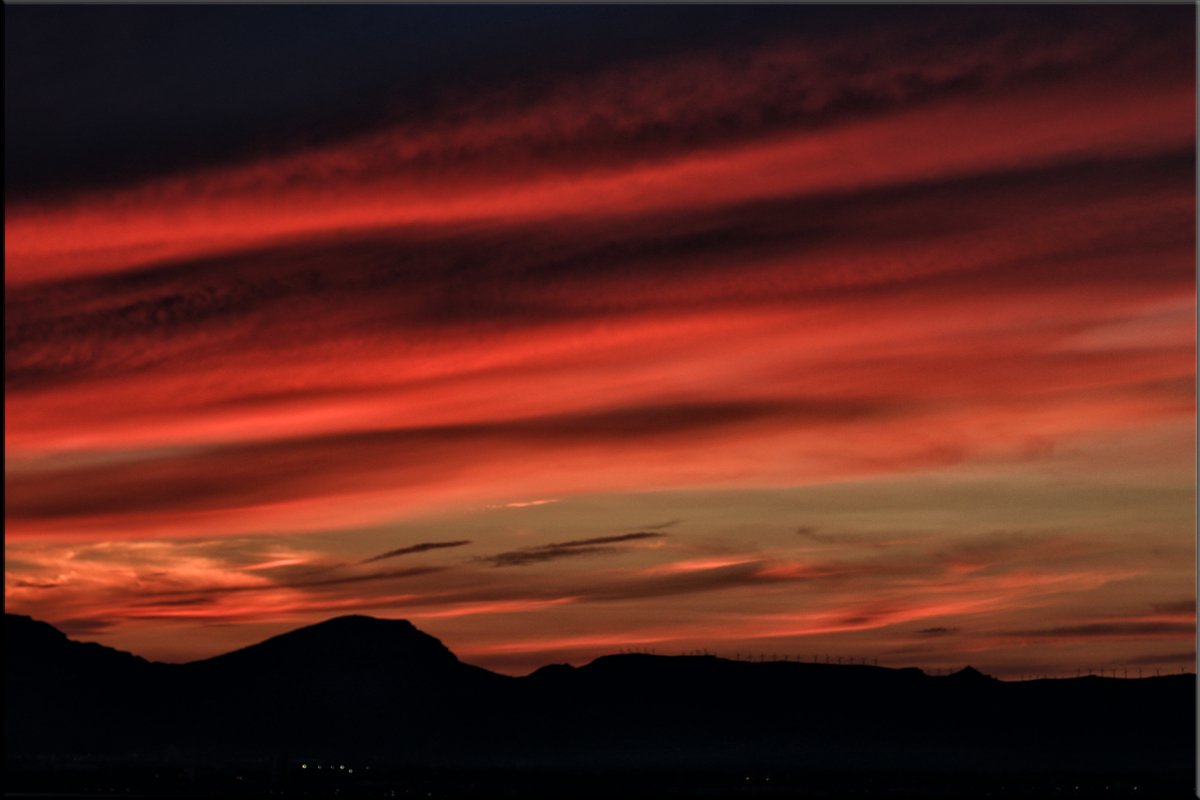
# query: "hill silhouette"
[[384, 692]]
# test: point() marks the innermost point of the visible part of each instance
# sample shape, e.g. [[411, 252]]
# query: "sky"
[[794, 331]]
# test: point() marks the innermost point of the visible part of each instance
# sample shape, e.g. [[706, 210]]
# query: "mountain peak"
[[362, 622], [22, 628], [368, 641], [34, 645], [972, 674]]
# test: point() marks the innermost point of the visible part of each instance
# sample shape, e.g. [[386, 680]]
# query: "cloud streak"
[[551, 552], [853, 248], [559, 154], [1113, 629], [416, 548]]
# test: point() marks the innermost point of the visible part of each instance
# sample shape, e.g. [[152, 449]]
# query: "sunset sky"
[[559, 331]]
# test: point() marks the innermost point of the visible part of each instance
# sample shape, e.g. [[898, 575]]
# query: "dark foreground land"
[[283, 777], [363, 707]]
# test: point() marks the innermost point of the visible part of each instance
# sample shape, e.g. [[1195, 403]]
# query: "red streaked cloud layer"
[[710, 274]]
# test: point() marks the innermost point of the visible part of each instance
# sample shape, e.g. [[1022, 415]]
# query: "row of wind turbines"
[[862, 661]]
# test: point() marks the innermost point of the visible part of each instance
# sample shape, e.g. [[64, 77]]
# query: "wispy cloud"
[[1177, 607], [1124, 629], [938, 631], [550, 552], [796, 261], [416, 548]]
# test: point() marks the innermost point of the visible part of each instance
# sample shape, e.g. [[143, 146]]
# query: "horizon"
[[561, 331], [829, 661]]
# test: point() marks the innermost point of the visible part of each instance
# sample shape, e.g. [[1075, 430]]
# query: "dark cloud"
[[610, 590], [937, 631], [100, 95], [416, 548], [520, 558], [475, 101], [1165, 658], [83, 625], [189, 601], [860, 539], [374, 576], [1106, 629], [421, 283], [1176, 607], [266, 587], [811, 533], [663, 584], [687, 582], [550, 552], [621, 537], [276, 471]]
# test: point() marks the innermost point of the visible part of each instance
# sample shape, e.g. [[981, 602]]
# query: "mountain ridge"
[[359, 686], [341, 626], [353, 636]]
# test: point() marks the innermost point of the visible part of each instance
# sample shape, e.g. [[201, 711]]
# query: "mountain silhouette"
[[365, 688], [358, 640], [33, 646], [969, 673]]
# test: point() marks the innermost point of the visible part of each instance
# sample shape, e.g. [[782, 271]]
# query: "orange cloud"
[[740, 270]]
